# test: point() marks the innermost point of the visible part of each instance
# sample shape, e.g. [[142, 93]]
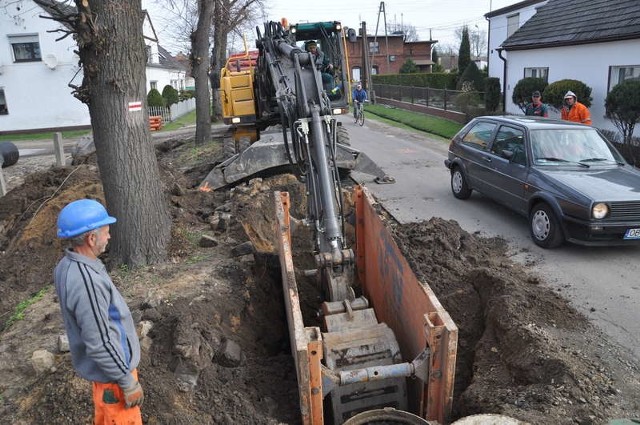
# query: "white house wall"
[[498, 34], [588, 63], [163, 77], [38, 96]]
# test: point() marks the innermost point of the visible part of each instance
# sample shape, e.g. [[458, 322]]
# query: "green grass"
[[18, 313], [42, 136], [183, 121], [429, 124]]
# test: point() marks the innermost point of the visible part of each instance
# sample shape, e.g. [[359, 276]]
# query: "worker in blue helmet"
[[102, 337]]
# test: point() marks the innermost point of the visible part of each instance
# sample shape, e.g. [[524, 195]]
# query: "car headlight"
[[600, 210]]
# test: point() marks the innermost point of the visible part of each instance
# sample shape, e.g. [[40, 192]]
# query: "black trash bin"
[[9, 154]]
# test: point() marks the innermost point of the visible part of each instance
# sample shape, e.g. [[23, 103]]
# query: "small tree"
[[154, 98], [409, 67], [524, 88], [554, 93], [492, 94], [623, 108], [468, 102], [186, 94], [464, 54], [473, 76], [170, 95], [435, 58]]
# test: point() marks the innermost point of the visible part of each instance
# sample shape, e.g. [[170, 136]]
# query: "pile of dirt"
[[216, 344], [523, 351], [28, 243]]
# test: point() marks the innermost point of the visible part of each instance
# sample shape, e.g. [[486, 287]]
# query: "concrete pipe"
[[387, 415], [488, 419]]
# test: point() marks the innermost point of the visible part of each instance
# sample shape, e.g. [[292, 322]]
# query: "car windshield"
[[582, 146]]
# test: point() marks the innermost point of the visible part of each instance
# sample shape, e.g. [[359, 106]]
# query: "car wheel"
[[459, 185], [544, 226]]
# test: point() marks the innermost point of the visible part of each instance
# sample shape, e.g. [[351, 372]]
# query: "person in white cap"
[[574, 111]]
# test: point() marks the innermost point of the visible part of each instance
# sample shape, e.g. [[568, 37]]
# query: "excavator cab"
[[327, 37], [269, 97]]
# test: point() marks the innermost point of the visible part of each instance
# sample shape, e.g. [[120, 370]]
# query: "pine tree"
[[464, 54]]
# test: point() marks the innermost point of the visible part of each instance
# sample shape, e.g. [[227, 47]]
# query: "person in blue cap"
[[103, 341]]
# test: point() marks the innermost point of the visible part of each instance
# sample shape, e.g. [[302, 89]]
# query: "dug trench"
[[213, 329]]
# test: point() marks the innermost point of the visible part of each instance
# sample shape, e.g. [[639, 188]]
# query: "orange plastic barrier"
[[155, 122]]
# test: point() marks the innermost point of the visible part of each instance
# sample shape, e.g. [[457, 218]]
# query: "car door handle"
[[487, 158]]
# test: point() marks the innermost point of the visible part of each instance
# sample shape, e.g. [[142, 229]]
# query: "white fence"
[[176, 111]]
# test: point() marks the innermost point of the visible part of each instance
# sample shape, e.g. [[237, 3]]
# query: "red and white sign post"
[[135, 106]]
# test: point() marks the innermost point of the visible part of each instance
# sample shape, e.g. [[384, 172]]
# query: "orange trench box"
[[409, 307]]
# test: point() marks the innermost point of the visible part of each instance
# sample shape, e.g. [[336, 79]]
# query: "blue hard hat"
[[82, 216]]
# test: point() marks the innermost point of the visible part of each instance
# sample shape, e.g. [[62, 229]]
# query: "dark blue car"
[[570, 182]]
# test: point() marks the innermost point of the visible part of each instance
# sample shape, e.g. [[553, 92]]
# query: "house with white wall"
[[596, 42], [36, 70], [502, 24]]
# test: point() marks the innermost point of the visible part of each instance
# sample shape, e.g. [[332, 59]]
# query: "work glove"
[[133, 396]]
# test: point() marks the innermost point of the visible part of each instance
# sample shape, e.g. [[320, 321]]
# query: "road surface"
[[600, 282]]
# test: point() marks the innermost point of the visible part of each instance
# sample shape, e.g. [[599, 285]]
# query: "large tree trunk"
[[200, 67], [220, 31], [112, 51]]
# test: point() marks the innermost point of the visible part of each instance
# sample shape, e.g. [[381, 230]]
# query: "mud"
[[523, 351]]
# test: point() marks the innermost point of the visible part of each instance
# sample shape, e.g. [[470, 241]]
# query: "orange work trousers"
[[108, 401]]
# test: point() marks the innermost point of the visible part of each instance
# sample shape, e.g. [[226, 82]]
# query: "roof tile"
[[570, 22]]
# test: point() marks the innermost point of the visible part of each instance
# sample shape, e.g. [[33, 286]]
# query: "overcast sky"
[[437, 19]]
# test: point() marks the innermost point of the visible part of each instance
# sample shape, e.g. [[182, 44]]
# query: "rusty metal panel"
[[306, 343], [315, 376], [408, 306]]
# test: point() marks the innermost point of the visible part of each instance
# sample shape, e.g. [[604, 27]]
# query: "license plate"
[[632, 234]]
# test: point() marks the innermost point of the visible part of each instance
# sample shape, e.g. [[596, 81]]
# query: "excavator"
[[382, 349]]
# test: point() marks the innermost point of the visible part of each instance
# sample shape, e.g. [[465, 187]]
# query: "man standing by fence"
[[575, 111], [536, 107]]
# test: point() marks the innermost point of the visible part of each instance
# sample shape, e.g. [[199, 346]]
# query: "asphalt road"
[[601, 282]]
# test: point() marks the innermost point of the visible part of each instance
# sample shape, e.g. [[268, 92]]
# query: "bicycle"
[[359, 112]]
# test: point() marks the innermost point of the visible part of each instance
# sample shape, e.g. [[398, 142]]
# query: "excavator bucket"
[[268, 155]]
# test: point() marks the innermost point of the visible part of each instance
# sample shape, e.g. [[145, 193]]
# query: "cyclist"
[[359, 96]]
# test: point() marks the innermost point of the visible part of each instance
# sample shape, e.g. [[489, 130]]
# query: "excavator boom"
[[372, 336]]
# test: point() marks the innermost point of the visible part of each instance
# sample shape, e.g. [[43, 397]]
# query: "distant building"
[[36, 70], [387, 54], [449, 61]]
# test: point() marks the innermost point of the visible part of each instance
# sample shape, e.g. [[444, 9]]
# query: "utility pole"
[[366, 66], [386, 37], [367, 81]]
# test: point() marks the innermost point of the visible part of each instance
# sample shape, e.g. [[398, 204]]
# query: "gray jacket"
[[102, 336]]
